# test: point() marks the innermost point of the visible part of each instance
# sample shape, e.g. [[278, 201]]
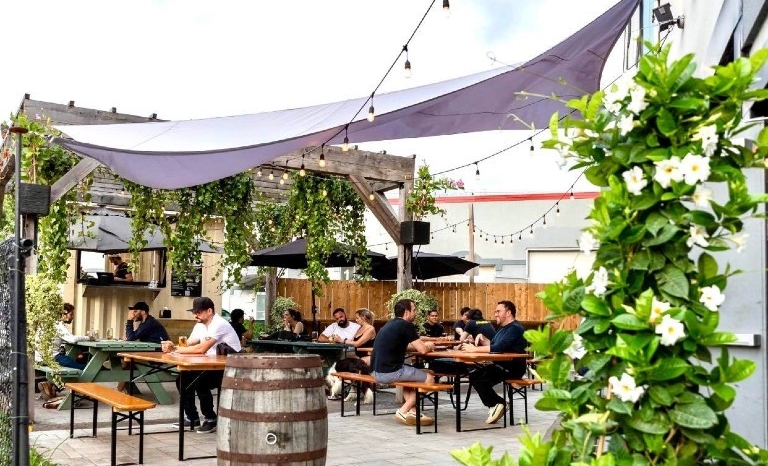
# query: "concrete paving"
[[364, 440]]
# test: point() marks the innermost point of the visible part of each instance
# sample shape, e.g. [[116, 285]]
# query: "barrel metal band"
[[311, 415], [267, 385], [295, 362], [273, 458]]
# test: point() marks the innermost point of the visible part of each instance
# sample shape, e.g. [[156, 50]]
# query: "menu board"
[[190, 284]]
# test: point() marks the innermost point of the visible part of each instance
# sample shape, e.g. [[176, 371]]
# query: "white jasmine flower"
[[625, 388], [668, 170], [698, 236], [626, 123], [576, 350], [638, 103], [702, 196], [657, 309], [708, 137], [671, 330], [740, 241], [695, 168], [599, 284], [587, 242], [615, 94], [711, 297], [635, 180]]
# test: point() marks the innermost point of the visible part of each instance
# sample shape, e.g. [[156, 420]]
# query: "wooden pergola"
[[371, 174]]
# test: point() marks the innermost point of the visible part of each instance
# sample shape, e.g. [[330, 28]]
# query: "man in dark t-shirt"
[[433, 327], [122, 271], [458, 327], [388, 358], [477, 325]]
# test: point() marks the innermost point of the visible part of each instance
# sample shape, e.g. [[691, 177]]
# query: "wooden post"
[[471, 236], [404, 251]]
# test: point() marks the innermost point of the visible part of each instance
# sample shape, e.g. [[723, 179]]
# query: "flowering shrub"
[[655, 392], [421, 200]]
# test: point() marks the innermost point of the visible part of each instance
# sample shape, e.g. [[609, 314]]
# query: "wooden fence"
[[451, 297]]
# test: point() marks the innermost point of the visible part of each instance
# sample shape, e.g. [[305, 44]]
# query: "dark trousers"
[[482, 378], [199, 383]]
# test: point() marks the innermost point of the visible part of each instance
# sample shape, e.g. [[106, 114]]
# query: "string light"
[[371, 196], [302, 171], [371, 112], [502, 240], [557, 211], [520, 236], [477, 171], [345, 144], [285, 176], [282, 180], [530, 233], [408, 72], [571, 195], [531, 140], [271, 175], [322, 156], [258, 173], [447, 8], [543, 222]]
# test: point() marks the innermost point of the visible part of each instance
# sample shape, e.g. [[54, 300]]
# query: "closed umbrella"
[[425, 265], [293, 255]]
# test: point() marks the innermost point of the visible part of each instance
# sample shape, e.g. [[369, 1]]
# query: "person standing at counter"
[[122, 269]]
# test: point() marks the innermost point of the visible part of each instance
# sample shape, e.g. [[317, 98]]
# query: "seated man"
[[341, 330], [63, 335], [150, 330], [210, 330], [509, 339], [395, 338], [478, 330], [458, 327], [433, 327]]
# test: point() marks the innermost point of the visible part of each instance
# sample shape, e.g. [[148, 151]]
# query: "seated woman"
[[292, 322], [364, 336]]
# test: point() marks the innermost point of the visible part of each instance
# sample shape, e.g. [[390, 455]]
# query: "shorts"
[[404, 374]]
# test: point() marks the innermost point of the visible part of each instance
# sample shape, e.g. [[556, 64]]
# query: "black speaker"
[[414, 232], [34, 199]]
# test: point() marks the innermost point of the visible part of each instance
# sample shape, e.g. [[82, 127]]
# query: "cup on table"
[[166, 345], [314, 336], [182, 340]]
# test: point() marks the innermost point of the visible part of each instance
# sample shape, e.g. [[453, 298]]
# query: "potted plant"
[[424, 303], [654, 392], [421, 202]]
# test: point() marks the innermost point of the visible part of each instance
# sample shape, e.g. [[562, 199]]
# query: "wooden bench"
[[519, 387], [350, 378], [425, 390], [124, 407]]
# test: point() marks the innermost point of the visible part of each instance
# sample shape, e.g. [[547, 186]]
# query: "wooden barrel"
[[272, 411]]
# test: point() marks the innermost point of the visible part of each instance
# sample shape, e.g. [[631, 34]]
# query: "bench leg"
[[358, 388], [113, 452], [418, 411], [95, 415], [141, 437]]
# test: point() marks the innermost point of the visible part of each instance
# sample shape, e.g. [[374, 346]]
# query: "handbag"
[[223, 349]]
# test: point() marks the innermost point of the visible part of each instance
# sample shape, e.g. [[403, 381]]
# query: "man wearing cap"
[[210, 330], [149, 329], [122, 270]]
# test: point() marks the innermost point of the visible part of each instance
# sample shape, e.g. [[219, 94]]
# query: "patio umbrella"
[[425, 265], [293, 255], [110, 234]]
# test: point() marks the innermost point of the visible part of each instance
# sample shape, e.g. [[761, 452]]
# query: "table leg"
[[457, 393], [182, 388]]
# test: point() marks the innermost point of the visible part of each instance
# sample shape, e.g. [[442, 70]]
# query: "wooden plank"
[[379, 206], [70, 179], [371, 165]]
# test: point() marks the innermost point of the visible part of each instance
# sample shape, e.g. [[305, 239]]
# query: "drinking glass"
[[314, 336], [182, 340]]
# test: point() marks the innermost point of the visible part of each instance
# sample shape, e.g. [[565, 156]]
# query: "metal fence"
[[6, 364]]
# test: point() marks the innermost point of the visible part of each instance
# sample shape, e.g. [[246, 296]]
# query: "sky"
[[186, 59]]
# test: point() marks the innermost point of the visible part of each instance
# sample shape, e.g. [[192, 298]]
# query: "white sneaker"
[[495, 413]]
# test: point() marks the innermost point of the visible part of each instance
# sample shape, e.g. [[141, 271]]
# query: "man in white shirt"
[[340, 331], [211, 329], [63, 335]]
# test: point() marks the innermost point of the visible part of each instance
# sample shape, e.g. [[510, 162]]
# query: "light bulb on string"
[[258, 173], [371, 112], [282, 180], [454, 228], [543, 222], [302, 171], [345, 144], [447, 8], [271, 175], [494, 240], [486, 238], [407, 68], [322, 156], [530, 233], [531, 140], [371, 196], [285, 175], [477, 171], [571, 195], [520, 236], [557, 211], [502, 240]]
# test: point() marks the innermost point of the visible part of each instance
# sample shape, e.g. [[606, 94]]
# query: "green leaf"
[[660, 395], [739, 370], [667, 369], [666, 122], [693, 416], [595, 305], [657, 425], [707, 266], [629, 322], [673, 282], [717, 339], [618, 406]]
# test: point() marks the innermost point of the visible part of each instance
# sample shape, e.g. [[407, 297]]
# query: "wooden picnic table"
[[171, 363], [330, 353], [469, 358], [103, 351]]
